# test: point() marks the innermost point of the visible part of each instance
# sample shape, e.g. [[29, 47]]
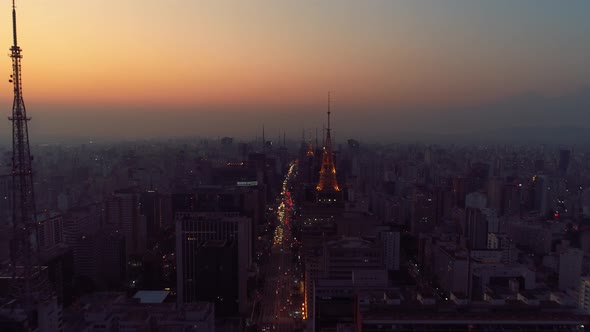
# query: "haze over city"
[[398, 70]]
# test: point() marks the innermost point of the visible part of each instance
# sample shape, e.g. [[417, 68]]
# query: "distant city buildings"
[[415, 236]]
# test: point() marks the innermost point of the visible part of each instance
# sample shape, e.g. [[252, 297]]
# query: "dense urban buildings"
[[238, 237]]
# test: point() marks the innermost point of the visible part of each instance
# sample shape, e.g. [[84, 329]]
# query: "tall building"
[[245, 198], [479, 221], [548, 191], [422, 211], [50, 231], [193, 229], [459, 192], [390, 242], [564, 162], [122, 213], [55, 255], [511, 199], [151, 208], [495, 192], [81, 233], [87, 253], [113, 259], [477, 228]]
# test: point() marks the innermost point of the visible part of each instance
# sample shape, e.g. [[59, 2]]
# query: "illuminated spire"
[[328, 180]]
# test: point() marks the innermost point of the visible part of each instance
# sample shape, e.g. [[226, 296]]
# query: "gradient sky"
[[86, 63]]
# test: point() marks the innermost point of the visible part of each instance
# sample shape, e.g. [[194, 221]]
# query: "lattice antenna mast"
[[23, 252], [328, 140], [329, 111]]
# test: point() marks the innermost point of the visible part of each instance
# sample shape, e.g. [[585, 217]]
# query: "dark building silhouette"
[[216, 276], [477, 228], [151, 208], [60, 269], [122, 213], [564, 161], [113, 259], [459, 192], [193, 230]]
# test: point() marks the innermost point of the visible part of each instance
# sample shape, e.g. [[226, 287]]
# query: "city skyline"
[[186, 68]]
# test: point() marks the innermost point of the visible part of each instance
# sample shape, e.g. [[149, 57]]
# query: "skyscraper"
[[123, 216], [151, 207], [564, 161], [193, 229]]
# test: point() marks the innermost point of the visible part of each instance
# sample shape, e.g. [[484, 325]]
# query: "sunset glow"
[[374, 54]]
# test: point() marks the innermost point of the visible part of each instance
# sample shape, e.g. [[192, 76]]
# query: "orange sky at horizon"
[[192, 53]]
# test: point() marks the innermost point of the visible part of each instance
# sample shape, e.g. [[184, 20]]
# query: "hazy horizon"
[[484, 122]]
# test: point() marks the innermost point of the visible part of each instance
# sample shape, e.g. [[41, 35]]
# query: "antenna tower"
[[328, 180], [24, 246]]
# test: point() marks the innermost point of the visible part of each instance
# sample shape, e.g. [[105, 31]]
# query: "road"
[[279, 308]]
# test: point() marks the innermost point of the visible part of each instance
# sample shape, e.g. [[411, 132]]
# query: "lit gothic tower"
[[23, 250], [327, 182]]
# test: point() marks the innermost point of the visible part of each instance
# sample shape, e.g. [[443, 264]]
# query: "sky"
[[141, 68]]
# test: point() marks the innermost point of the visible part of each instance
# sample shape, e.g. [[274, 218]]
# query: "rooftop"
[[153, 296], [350, 243]]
